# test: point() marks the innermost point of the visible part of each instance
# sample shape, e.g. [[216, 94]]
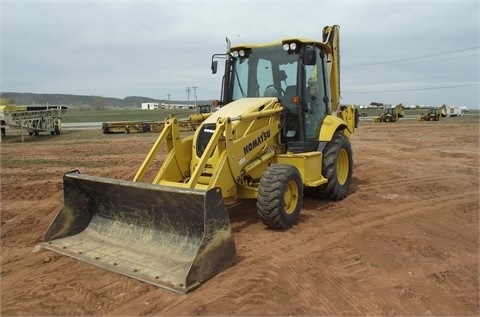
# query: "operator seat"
[[290, 92], [271, 92], [291, 113]]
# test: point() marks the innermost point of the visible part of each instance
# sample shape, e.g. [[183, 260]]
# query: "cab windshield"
[[270, 71], [266, 72]]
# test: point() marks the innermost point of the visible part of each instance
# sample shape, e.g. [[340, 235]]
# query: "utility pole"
[[187, 89], [168, 96], [195, 95]]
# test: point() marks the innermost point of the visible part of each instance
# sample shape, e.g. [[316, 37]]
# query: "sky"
[[411, 52]]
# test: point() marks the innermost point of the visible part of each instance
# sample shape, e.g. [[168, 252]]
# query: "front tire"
[[337, 167], [280, 196]]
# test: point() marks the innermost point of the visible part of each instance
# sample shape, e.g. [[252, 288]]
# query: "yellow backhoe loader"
[[280, 131], [391, 114], [434, 114]]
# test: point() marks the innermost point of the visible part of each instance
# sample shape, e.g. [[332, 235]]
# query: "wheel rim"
[[342, 167], [290, 197]]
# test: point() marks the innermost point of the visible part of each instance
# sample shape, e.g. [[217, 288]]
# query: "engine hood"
[[242, 106]]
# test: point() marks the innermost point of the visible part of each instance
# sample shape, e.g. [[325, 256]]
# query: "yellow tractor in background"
[[280, 132], [434, 114], [189, 123], [391, 114], [193, 121]]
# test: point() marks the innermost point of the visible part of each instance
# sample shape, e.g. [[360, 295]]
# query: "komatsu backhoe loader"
[[280, 131]]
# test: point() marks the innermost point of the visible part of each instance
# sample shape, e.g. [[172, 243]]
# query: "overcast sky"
[[413, 52]]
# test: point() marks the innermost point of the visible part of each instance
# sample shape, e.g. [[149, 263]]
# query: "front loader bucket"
[[174, 238]]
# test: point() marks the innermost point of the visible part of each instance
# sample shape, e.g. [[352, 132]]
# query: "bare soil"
[[404, 242]]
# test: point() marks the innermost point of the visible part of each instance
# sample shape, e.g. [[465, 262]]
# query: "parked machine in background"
[[32, 119], [193, 121], [280, 132], [391, 114], [189, 123], [132, 126], [434, 114]]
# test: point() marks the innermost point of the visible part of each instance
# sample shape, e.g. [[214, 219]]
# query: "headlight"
[[289, 46], [241, 52]]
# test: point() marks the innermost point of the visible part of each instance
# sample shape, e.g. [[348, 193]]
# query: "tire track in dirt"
[[77, 292], [452, 280], [265, 276], [328, 279], [340, 229], [420, 185], [353, 267], [403, 243], [310, 264]]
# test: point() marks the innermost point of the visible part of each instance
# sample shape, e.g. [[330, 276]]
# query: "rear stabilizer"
[[174, 238]]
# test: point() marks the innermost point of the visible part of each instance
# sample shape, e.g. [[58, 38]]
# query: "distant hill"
[[22, 98]]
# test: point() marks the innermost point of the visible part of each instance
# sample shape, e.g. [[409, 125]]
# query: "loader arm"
[[178, 161], [189, 178], [236, 143]]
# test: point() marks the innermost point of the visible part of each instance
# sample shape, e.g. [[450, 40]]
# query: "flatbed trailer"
[[190, 123], [132, 126]]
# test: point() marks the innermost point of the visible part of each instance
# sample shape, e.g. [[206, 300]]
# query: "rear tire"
[[337, 167], [280, 196]]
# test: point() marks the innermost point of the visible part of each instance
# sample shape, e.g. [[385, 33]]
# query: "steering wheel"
[[278, 88]]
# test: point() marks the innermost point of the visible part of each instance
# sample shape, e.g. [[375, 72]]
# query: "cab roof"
[[287, 40]]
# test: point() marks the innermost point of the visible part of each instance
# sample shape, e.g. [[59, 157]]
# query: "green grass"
[[75, 116]]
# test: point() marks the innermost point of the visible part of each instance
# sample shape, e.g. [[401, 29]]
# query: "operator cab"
[[294, 71]]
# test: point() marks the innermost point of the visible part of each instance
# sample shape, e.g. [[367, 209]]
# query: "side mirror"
[[214, 67], [310, 56]]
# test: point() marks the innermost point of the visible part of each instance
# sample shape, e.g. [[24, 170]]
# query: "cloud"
[[155, 48]]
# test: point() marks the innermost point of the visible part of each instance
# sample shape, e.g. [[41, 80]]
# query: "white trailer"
[[455, 111], [150, 105]]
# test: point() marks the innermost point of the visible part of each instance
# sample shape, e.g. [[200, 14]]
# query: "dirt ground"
[[405, 242]]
